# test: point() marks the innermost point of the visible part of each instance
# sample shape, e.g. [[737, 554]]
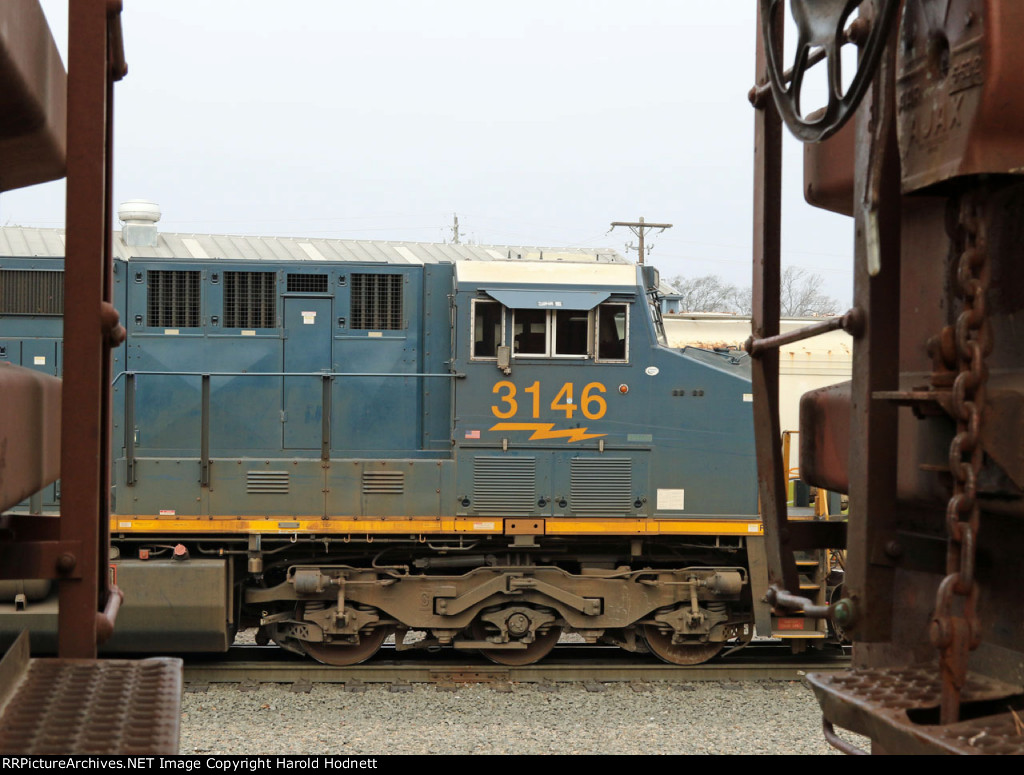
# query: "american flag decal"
[[472, 434]]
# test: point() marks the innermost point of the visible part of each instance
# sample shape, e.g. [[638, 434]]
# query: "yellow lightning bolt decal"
[[542, 430]]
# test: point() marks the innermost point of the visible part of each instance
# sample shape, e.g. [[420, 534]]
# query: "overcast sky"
[[538, 123]]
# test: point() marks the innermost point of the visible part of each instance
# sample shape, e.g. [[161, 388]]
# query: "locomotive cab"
[[597, 448], [572, 402]]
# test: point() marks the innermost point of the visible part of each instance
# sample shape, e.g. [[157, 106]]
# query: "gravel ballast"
[[697, 718]]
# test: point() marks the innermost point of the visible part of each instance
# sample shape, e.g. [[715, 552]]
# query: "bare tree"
[[741, 301], [705, 294], [799, 295]]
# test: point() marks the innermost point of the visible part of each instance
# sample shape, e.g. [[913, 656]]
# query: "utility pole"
[[640, 228], [455, 229]]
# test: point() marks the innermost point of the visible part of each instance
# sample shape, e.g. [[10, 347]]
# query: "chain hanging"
[[955, 629]]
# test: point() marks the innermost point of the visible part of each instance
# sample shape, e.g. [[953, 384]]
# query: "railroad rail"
[[249, 666]]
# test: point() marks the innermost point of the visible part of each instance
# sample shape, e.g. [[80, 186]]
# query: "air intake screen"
[[307, 283], [249, 299], [377, 302], [601, 487], [172, 298], [31, 292], [505, 486]]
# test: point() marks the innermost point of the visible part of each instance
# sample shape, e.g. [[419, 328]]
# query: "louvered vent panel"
[[504, 486], [250, 299], [601, 487], [267, 482], [172, 298], [307, 283], [31, 292], [383, 482]]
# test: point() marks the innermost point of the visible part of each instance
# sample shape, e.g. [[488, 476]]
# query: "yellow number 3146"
[[592, 403]]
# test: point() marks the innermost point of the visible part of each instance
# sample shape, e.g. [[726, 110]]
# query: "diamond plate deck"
[[83, 706], [898, 709]]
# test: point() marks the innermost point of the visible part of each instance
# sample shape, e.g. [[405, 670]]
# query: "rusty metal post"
[[765, 323], [90, 325], [875, 362]]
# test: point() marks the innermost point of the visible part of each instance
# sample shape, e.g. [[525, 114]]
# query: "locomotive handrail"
[[132, 373]]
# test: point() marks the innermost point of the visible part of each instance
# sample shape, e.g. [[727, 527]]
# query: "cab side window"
[[530, 332], [571, 332], [601, 333], [488, 328], [613, 332]]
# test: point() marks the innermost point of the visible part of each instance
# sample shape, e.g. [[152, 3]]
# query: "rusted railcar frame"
[[95, 61], [924, 259], [33, 145], [873, 423], [30, 410], [876, 348], [33, 96]]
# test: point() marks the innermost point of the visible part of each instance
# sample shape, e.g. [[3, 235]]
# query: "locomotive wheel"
[[534, 652], [343, 654], [836, 630], [662, 646]]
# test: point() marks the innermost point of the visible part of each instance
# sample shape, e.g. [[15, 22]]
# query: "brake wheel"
[[821, 27]]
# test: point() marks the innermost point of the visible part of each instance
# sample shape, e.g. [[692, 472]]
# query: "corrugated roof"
[[16, 241], [24, 242]]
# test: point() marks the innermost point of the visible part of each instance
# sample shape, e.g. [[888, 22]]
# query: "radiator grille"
[[172, 298], [307, 283], [31, 292], [601, 487], [504, 486], [383, 482], [377, 302], [250, 299], [266, 482]]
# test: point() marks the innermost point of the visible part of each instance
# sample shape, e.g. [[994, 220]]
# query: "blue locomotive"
[[337, 442]]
